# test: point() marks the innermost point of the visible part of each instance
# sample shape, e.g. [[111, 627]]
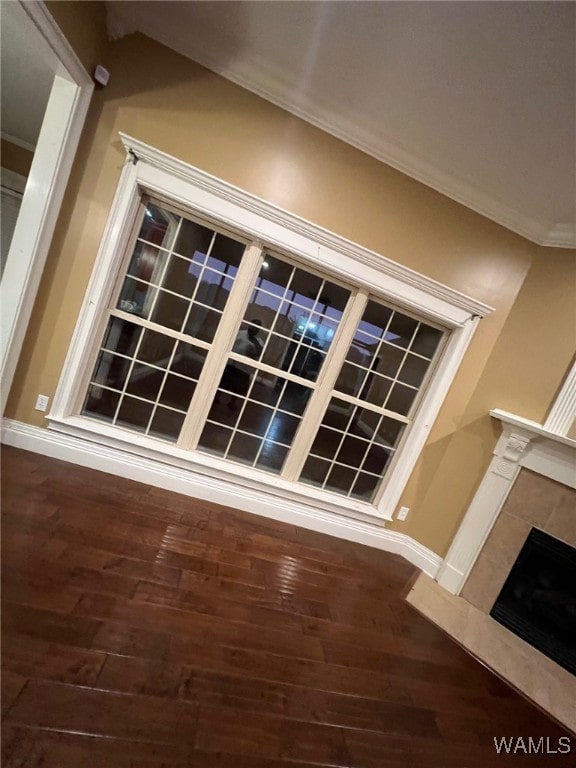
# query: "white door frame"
[[49, 173]]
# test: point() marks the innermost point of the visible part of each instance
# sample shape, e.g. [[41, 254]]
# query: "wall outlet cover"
[[402, 513], [42, 402]]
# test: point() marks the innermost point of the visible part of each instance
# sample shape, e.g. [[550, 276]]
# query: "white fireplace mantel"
[[523, 443]]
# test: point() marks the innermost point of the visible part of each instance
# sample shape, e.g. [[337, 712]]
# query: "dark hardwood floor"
[[144, 629]]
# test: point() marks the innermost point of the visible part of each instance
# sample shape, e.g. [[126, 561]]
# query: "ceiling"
[[474, 99], [27, 73]]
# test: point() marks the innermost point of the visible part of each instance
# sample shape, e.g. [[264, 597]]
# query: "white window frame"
[[152, 172]]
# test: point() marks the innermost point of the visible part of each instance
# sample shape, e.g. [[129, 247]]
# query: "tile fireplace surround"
[[531, 482]]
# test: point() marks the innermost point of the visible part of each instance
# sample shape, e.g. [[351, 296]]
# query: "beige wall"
[[15, 158], [84, 26], [181, 108], [522, 375]]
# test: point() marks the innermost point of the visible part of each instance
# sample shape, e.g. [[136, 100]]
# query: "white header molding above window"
[[263, 220]]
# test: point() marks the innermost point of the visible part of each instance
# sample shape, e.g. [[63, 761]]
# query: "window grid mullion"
[[324, 386], [192, 300], [370, 407], [158, 285], [127, 378], [217, 356], [161, 388], [142, 322], [369, 370], [406, 351]]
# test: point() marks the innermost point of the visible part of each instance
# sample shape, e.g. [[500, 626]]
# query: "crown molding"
[[257, 76], [560, 236]]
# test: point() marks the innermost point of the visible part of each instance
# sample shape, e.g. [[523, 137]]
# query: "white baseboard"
[[117, 461], [450, 578]]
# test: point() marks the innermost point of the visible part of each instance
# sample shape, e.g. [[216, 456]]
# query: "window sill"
[[207, 465]]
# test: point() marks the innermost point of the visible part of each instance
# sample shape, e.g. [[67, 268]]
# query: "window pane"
[[111, 370], [350, 440], [136, 297], [156, 348], [401, 330], [261, 419], [293, 316], [184, 290], [170, 311], [315, 471], [226, 254], [188, 360], [179, 277], [101, 403], [158, 226], [160, 371], [146, 262], [272, 457], [340, 479], [426, 340], [244, 448], [121, 336], [401, 399], [166, 423], [202, 323], [413, 370], [375, 320], [177, 392], [193, 239], [134, 413], [216, 439], [145, 382], [365, 486]]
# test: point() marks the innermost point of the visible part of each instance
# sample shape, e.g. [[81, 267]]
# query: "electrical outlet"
[[42, 402], [402, 513]]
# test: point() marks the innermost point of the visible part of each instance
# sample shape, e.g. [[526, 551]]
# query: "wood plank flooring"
[[146, 629]]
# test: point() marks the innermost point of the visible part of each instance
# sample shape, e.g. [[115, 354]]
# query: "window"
[[215, 332], [168, 308], [372, 402]]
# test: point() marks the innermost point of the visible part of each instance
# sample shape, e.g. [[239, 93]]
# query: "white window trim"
[[156, 173]]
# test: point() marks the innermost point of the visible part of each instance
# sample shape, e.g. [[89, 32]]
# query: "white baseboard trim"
[[450, 578], [117, 461]]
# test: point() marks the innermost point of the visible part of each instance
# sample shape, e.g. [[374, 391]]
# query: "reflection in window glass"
[[143, 380], [351, 450], [171, 302], [158, 226], [388, 359], [385, 367], [186, 289], [298, 314], [253, 420], [179, 277]]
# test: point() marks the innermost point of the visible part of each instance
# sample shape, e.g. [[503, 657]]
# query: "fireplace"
[[538, 599]]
